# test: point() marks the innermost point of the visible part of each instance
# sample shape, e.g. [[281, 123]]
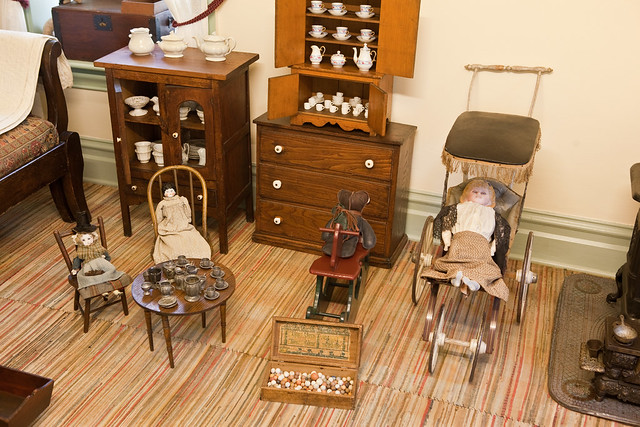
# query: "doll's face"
[[479, 195], [169, 192], [86, 239]]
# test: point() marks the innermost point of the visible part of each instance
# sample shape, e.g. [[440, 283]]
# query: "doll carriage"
[[498, 148]]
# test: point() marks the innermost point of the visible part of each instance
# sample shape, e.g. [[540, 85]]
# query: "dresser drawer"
[[328, 155], [302, 223], [318, 189]]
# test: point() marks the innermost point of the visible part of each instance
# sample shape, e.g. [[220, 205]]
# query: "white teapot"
[[316, 54], [364, 61], [172, 45], [338, 60], [216, 48], [141, 42]]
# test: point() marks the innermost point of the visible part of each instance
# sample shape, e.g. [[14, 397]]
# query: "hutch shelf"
[[219, 89]]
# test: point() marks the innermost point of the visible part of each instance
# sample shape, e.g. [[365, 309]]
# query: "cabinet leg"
[[126, 217], [249, 207], [222, 231]]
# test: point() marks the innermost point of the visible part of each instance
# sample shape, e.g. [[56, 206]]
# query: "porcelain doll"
[[476, 240], [348, 212], [92, 262], [176, 234]]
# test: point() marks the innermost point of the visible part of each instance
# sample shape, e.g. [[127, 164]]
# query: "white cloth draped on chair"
[[183, 10]]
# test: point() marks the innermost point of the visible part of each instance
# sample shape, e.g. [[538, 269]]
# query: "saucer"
[[317, 11], [337, 37], [337, 12], [364, 15], [215, 277], [318, 36], [223, 287], [215, 296], [363, 40], [206, 268], [182, 264], [168, 301]]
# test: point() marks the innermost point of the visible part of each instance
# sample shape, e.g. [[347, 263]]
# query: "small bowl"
[[137, 102]]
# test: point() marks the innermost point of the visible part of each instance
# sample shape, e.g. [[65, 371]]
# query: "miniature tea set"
[[181, 274], [364, 59], [215, 47], [339, 9], [337, 103]]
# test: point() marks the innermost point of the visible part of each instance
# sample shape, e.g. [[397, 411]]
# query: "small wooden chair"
[[332, 271], [189, 183], [100, 290]]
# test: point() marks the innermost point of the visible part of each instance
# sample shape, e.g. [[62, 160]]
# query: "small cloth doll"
[[476, 240], [348, 213], [91, 264], [176, 234]]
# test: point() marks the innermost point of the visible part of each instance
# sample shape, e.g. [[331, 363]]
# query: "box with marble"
[[313, 363]]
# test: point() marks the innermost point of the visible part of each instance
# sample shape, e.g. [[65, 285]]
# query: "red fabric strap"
[[212, 6]]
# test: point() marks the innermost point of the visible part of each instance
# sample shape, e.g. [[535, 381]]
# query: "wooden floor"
[[109, 377]]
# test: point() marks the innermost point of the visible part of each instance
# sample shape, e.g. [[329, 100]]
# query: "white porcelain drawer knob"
[[175, 135], [278, 149], [199, 197], [368, 163], [277, 220], [134, 188], [277, 184]]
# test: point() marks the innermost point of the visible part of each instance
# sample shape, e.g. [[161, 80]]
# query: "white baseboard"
[[567, 242]]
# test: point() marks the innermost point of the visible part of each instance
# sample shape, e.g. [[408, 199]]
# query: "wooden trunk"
[[95, 28], [301, 345], [23, 396]]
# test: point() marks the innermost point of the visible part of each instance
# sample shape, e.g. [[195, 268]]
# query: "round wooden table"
[[184, 308]]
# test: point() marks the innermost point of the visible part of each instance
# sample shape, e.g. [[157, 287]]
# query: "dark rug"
[[580, 315]]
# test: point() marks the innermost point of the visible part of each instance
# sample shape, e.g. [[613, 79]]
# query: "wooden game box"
[[23, 396], [302, 345]]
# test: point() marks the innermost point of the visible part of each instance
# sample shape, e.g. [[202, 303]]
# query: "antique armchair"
[[42, 152]]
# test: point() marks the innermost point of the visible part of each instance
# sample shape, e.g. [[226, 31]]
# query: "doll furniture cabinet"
[[395, 24], [300, 170], [219, 89]]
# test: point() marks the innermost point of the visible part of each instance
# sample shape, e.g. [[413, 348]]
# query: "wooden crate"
[[302, 345], [23, 396], [93, 29]]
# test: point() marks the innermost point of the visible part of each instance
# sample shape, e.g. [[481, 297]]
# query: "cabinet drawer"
[[303, 223], [327, 155], [318, 189], [138, 188]]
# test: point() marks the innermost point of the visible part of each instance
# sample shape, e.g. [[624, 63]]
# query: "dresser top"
[[397, 133], [192, 64]]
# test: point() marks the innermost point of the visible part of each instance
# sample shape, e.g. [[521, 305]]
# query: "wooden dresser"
[[300, 170]]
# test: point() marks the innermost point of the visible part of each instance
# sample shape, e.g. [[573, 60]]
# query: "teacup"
[[216, 271], [210, 292], [317, 29], [319, 107], [312, 101], [182, 260], [366, 34], [327, 103], [333, 109], [342, 31], [319, 96], [337, 100], [144, 157], [191, 269], [307, 105], [365, 8], [143, 145], [345, 108], [337, 6], [316, 4], [205, 263], [184, 112], [359, 108]]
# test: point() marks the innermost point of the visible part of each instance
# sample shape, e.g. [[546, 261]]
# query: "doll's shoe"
[[471, 284], [456, 280]]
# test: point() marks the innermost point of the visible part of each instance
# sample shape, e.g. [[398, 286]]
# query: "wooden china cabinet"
[[395, 24], [219, 89], [302, 160]]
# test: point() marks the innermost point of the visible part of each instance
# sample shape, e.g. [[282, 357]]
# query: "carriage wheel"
[[525, 278], [422, 258], [435, 340], [478, 348]]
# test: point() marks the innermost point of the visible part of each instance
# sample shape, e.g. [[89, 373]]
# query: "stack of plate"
[[194, 145], [168, 301]]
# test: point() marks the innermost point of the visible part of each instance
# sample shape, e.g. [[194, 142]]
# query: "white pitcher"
[[316, 54]]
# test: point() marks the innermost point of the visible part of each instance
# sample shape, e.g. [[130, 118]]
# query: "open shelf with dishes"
[[364, 45]]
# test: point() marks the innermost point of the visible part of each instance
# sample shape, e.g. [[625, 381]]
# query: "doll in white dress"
[[176, 234], [476, 240]]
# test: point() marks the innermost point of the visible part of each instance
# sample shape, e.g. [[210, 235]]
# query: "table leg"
[[167, 338], [204, 319], [223, 321], [147, 317]]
